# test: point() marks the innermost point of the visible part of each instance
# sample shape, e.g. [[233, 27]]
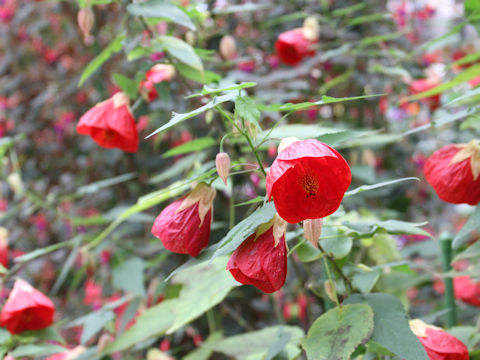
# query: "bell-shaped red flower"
[[292, 46], [157, 74], [307, 180], [454, 173], [26, 309], [261, 260], [184, 226], [467, 290], [438, 344], [111, 124]]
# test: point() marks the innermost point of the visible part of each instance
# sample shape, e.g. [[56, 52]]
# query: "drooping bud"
[[15, 182], [190, 37], [85, 20], [311, 29], [312, 229], [285, 142], [156, 74], [438, 343], [327, 286], [222, 161], [228, 47], [261, 260], [184, 226]]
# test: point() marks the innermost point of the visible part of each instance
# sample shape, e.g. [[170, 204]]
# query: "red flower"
[[420, 85], [111, 124], [307, 180], [26, 309], [464, 289], [93, 294], [453, 172], [261, 260], [438, 344], [157, 74], [292, 46], [4, 247], [184, 226]]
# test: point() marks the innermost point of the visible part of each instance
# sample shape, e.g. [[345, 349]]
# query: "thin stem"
[[345, 279], [211, 321], [232, 208], [330, 280], [446, 247]]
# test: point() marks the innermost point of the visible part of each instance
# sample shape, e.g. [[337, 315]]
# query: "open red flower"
[[307, 180], [438, 344], [454, 173], [184, 226], [111, 124], [157, 74], [420, 85], [26, 309], [261, 260], [292, 46]]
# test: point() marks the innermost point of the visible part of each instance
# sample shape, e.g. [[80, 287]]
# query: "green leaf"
[[380, 38], [252, 201], [4, 336], [365, 280], [94, 187], [307, 252], [178, 118], [50, 333], [369, 18], [339, 247], [114, 46], [379, 185], [191, 146], [244, 229], [301, 131], [204, 351], [203, 77], [349, 9], [204, 286], [337, 333], [473, 223], [41, 252], [257, 344], [389, 226], [466, 75], [180, 50], [128, 86], [37, 350], [391, 325], [215, 91], [472, 252], [161, 9], [128, 276], [246, 109]]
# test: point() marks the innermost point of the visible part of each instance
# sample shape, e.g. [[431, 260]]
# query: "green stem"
[[232, 207], [345, 279], [449, 298]]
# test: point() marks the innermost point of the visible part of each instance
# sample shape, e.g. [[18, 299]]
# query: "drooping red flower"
[[292, 46], [464, 289], [307, 180], [111, 124], [26, 309], [261, 260], [157, 74], [4, 247], [184, 225], [454, 173], [438, 344]]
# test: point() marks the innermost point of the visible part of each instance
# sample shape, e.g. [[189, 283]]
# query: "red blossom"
[[261, 260], [307, 181], [157, 74], [292, 46], [420, 85], [184, 226], [4, 247], [111, 124], [438, 344], [26, 309], [454, 173]]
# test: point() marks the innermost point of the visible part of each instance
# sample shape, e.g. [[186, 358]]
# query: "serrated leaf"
[[389, 226], [161, 9], [246, 109], [178, 118], [191, 146], [256, 344], [391, 325], [473, 223], [114, 46], [244, 229], [337, 333]]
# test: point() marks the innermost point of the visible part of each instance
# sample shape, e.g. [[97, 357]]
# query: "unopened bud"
[[311, 28], [190, 37], [228, 47], [285, 143], [104, 340], [85, 20], [312, 229], [222, 162], [15, 182], [329, 290]]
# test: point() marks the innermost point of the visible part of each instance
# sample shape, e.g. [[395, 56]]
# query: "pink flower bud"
[[85, 20], [312, 229], [222, 162], [228, 47]]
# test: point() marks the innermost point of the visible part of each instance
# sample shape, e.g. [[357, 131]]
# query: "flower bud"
[[190, 37], [4, 246], [327, 285], [228, 47], [311, 28], [222, 162], [15, 182], [312, 229], [85, 20]]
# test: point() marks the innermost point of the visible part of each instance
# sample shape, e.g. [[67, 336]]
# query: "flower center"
[[109, 134], [309, 183]]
